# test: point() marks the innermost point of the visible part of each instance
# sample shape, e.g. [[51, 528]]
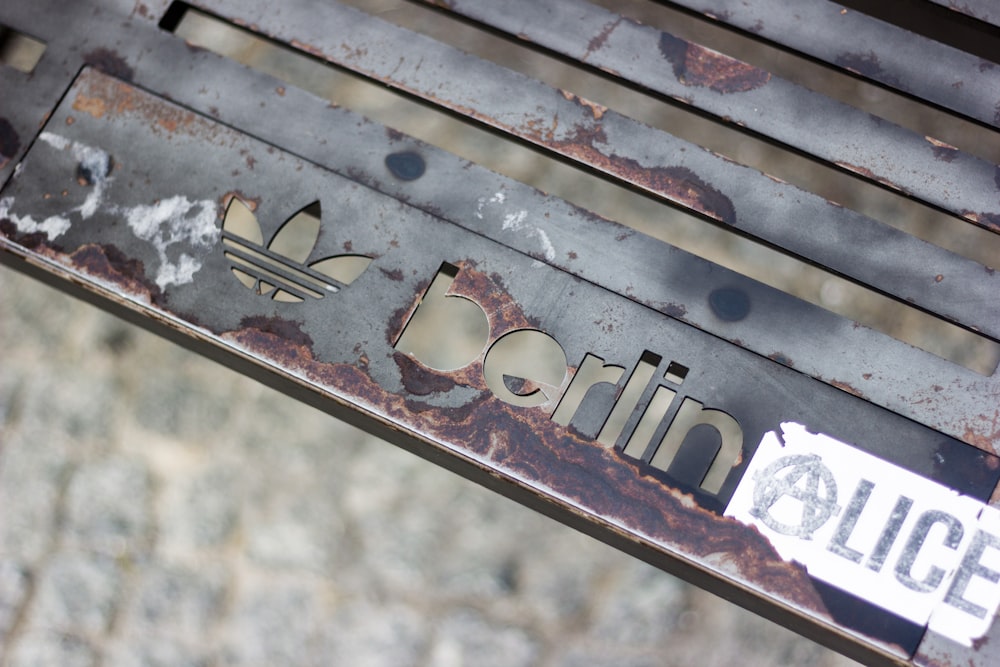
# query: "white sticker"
[[875, 530]]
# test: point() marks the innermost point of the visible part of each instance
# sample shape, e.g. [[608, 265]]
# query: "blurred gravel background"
[[157, 509]]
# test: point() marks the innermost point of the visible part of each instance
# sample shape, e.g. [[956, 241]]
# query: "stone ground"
[[157, 509]]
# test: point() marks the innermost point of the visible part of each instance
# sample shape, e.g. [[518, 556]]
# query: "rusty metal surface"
[[740, 93], [594, 287], [984, 10], [739, 197], [158, 250], [870, 48], [866, 363]]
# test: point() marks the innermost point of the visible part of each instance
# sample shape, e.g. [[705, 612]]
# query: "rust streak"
[[109, 62], [100, 95], [110, 265], [601, 38], [867, 65], [695, 65], [596, 110], [678, 184], [844, 386], [868, 173], [942, 151], [532, 450]]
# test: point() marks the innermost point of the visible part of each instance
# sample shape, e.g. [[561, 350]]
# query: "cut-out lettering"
[[446, 332], [644, 431], [525, 355], [629, 399], [592, 371], [692, 414]]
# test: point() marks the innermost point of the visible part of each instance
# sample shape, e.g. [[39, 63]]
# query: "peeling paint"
[[94, 167], [172, 221], [53, 226]]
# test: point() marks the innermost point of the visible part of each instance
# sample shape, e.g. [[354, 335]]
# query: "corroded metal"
[[747, 96], [870, 48], [121, 193], [682, 173], [73, 207]]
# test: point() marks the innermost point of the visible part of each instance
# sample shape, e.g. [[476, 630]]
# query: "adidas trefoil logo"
[[279, 270]]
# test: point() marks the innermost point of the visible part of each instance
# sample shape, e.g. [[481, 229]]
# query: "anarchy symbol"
[[804, 478]]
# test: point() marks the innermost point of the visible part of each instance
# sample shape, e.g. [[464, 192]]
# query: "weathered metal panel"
[[127, 192], [871, 48], [680, 172], [747, 96], [123, 195]]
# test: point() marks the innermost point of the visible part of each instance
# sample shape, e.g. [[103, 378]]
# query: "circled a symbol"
[[804, 478]]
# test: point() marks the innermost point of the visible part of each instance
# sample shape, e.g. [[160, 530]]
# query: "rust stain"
[[289, 330], [989, 221], [10, 143], [308, 48], [251, 202], [865, 64], [942, 151], [525, 446], [100, 95], [678, 184], [596, 110], [95, 106], [844, 386], [868, 173], [418, 379], [674, 310], [695, 65], [395, 275], [781, 359], [110, 265], [598, 41], [34, 241], [109, 62], [984, 433]]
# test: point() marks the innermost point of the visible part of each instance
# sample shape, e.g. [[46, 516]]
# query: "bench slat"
[[873, 49], [680, 172], [744, 95]]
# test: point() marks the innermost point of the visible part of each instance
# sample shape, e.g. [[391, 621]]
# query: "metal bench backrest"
[[768, 439]]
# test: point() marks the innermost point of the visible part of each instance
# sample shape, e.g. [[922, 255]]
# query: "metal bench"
[[805, 463]]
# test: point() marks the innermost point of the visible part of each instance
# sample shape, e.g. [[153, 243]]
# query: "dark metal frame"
[[181, 143]]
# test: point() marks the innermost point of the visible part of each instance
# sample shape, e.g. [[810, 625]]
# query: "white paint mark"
[[878, 531], [167, 223], [53, 226], [93, 162], [497, 198], [172, 221], [55, 140], [514, 220], [550, 251]]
